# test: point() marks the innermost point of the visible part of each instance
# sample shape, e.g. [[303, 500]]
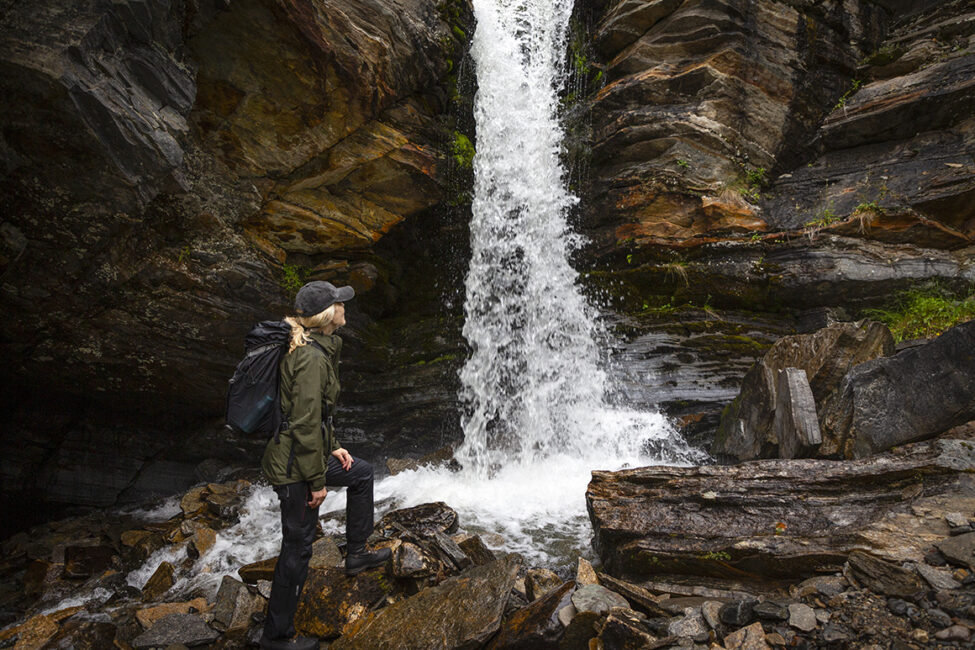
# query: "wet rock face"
[[777, 157], [162, 161]]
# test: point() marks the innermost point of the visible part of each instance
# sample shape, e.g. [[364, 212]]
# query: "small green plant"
[[719, 556], [683, 164], [293, 277], [756, 177], [676, 271], [841, 102], [462, 150], [865, 206], [629, 258], [184, 253], [924, 313], [755, 236], [825, 218]]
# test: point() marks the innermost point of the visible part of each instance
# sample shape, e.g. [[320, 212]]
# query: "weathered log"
[[778, 518]]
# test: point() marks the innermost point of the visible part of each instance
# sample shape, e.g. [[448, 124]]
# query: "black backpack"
[[253, 401]]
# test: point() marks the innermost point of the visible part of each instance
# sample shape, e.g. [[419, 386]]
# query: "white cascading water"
[[538, 418], [537, 415]]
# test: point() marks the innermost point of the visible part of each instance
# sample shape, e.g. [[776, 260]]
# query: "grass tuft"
[[924, 313]]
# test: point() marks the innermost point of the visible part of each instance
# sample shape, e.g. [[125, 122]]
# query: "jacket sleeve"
[[306, 420]]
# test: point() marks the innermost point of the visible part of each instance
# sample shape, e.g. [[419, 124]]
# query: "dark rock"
[[260, 570], [409, 561], [423, 520], [914, 395], [581, 630], [159, 583], [539, 581], [883, 577], [953, 633], [834, 634], [795, 425], [935, 558], [771, 611], [537, 624], [959, 550], [85, 561], [897, 606], [473, 546], [186, 629], [324, 553], [939, 618], [451, 551], [638, 597], [625, 629], [938, 578], [235, 604], [462, 611], [333, 604], [84, 635], [720, 520], [738, 613], [747, 429], [827, 586], [597, 599]]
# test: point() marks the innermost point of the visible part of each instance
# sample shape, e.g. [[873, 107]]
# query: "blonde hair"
[[301, 325]]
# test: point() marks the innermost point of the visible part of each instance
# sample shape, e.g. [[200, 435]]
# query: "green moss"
[[719, 556], [841, 102], [924, 313], [462, 150], [293, 277]]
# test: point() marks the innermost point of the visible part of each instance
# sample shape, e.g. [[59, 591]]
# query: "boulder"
[[324, 553], [333, 603], [474, 548], [747, 429], [597, 599], [883, 577], [202, 541], [84, 635], [410, 561], [234, 605], [176, 629], [959, 550], [691, 625], [747, 638], [638, 597], [585, 573], [423, 520], [625, 629], [260, 570], [535, 625], [159, 582], [539, 582], [914, 395], [779, 518], [462, 612], [85, 561], [795, 425], [148, 616]]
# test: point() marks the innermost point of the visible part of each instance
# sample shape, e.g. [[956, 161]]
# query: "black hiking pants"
[[298, 524]]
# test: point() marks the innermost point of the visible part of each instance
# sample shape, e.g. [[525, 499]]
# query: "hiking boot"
[[294, 643], [358, 562]]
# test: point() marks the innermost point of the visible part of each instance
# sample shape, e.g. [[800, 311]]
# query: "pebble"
[[692, 625], [566, 614], [822, 616], [597, 599], [956, 519], [939, 618], [775, 638], [953, 633], [919, 635], [802, 617], [960, 574], [897, 606], [710, 610], [938, 578]]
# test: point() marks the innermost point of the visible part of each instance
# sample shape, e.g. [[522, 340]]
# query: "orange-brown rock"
[[332, 603], [149, 615]]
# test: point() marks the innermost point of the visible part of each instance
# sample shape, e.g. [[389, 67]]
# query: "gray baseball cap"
[[317, 296]]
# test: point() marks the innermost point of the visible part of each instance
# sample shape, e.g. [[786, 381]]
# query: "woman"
[[306, 457]]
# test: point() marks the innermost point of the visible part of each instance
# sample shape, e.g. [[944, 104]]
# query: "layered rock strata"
[[172, 171]]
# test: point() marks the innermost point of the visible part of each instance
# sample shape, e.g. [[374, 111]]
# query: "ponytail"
[[301, 325]]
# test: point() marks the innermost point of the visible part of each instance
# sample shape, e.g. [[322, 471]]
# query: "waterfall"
[[534, 387]]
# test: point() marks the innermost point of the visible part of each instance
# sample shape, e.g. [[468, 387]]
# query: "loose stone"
[[771, 611], [953, 633], [802, 617], [738, 613], [597, 599]]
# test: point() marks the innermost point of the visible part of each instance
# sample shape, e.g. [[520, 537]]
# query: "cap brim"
[[344, 294]]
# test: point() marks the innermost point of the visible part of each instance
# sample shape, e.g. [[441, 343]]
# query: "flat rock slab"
[[883, 577], [186, 629], [784, 519], [959, 549], [461, 612], [536, 625], [597, 599], [332, 602]]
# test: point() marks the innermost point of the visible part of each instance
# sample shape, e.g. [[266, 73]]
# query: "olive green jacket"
[[309, 393]]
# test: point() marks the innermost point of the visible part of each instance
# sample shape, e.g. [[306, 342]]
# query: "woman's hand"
[[344, 457], [317, 498]]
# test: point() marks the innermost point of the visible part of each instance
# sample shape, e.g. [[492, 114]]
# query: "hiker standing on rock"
[[306, 457]]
